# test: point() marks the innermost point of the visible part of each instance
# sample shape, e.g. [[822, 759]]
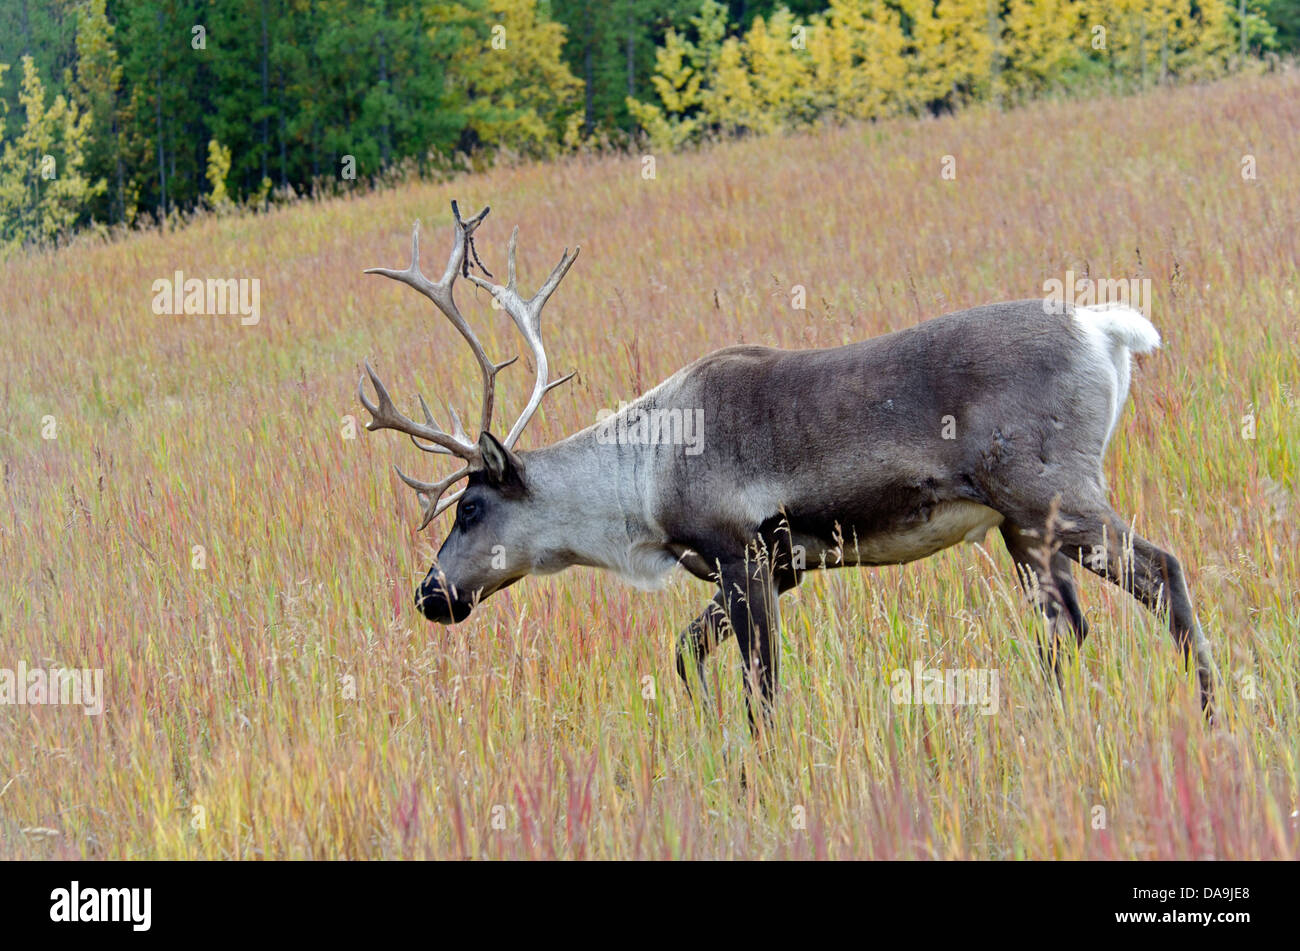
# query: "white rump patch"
[[1123, 325], [1115, 331]]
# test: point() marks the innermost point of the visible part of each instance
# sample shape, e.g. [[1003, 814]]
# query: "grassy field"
[[276, 695]]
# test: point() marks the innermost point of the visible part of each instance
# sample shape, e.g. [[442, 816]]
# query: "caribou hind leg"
[[1102, 542], [1048, 581]]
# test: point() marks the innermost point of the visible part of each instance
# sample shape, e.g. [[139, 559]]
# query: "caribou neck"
[[599, 500]]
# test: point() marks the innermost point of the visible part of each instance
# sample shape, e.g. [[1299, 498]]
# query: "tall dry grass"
[[230, 729]]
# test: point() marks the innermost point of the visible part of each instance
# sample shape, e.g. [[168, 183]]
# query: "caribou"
[[880, 452]]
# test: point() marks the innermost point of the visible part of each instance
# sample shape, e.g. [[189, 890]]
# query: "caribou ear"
[[503, 468]]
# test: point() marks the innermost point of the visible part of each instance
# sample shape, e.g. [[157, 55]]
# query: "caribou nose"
[[435, 604]]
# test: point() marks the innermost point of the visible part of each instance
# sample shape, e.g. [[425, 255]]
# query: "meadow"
[[196, 523]]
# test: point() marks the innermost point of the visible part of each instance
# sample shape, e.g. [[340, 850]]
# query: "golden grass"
[[229, 731]]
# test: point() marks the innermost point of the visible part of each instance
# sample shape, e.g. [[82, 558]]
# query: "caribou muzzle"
[[440, 603]]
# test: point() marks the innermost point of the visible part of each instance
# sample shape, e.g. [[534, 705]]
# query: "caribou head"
[[494, 541]]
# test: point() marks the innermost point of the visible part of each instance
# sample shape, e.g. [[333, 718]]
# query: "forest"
[[137, 112]]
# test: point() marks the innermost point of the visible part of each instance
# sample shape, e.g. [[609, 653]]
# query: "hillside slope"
[[199, 528]]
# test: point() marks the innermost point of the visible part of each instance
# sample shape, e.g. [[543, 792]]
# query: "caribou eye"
[[469, 511]]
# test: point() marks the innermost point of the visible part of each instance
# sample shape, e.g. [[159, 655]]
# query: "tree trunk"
[[587, 69], [631, 51], [266, 97], [162, 164], [1241, 14]]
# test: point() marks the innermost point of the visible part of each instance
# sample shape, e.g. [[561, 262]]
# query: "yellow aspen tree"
[[951, 50], [1206, 41], [516, 83], [858, 62], [731, 105], [1132, 35], [780, 69], [1158, 40], [1040, 42], [42, 189], [670, 123], [1168, 20], [218, 169], [681, 69]]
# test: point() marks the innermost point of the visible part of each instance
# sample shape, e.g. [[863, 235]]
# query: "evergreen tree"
[[96, 87], [46, 31], [1284, 17]]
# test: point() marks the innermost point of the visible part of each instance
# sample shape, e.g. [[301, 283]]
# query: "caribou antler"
[[387, 416], [526, 316], [441, 295]]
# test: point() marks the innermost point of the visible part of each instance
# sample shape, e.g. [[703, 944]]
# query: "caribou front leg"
[[711, 628], [748, 594], [697, 642]]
